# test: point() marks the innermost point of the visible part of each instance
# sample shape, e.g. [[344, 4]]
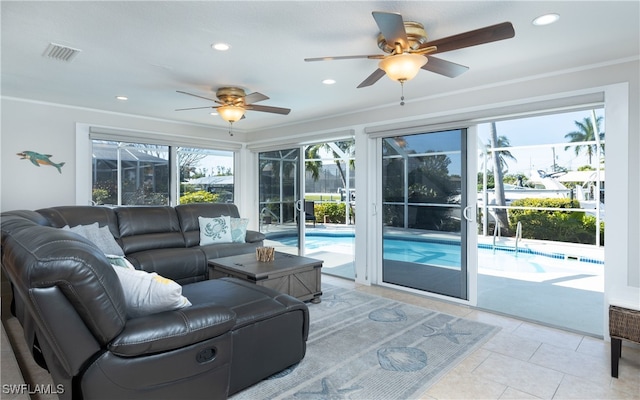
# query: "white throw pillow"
[[215, 230], [239, 229], [149, 293], [100, 236]]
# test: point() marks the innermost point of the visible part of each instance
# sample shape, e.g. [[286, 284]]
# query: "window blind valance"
[[134, 136]]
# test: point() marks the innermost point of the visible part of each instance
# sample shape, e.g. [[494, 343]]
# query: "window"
[[540, 164], [126, 173], [206, 176], [130, 173]]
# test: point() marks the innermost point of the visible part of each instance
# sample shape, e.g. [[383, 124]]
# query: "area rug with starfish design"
[[363, 346]]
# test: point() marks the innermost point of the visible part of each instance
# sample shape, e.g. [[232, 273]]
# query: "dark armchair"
[[309, 212]]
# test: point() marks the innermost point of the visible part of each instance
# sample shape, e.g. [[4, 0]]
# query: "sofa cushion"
[[149, 293], [28, 215], [100, 236], [148, 227], [270, 332], [81, 215], [171, 330], [254, 237], [188, 216], [219, 250], [250, 302], [215, 230], [43, 257], [183, 265]]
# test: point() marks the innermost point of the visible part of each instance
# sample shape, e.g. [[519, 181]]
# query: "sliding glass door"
[[424, 231], [279, 197]]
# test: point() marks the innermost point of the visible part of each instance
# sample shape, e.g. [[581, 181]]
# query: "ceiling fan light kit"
[[402, 67], [234, 102], [407, 45], [231, 113]]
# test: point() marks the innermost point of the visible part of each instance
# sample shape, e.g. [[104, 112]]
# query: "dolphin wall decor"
[[37, 159]]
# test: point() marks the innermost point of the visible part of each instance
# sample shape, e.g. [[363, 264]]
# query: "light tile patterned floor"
[[527, 361], [522, 361]]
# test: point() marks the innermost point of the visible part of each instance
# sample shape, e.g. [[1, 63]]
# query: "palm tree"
[[586, 133], [339, 151], [503, 155], [313, 152], [499, 163]]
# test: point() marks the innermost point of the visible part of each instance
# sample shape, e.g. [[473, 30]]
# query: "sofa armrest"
[[254, 236], [171, 330]]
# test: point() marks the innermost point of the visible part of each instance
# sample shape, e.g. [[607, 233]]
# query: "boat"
[[550, 185], [540, 185]]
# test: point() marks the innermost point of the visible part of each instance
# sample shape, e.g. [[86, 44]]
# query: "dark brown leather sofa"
[[71, 305]]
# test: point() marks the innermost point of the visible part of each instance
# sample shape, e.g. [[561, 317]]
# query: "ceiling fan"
[[234, 102], [406, 45]]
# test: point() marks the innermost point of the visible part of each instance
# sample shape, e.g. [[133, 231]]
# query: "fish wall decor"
[[38, 159]]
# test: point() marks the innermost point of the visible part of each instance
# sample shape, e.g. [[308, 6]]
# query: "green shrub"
[[188, 188], [589, 225], [561, 226], [201, 196], [335, 212], [100, 195]]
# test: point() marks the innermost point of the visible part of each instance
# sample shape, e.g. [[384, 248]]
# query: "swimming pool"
[[446, 254], [530, 284]]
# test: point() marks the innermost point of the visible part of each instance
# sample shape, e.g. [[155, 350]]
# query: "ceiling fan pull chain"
[[402, 93], [230, 126]]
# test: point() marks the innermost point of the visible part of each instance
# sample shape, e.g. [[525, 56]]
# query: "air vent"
[[60, 52]]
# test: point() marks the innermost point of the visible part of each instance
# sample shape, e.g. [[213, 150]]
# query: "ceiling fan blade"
[[195, 95], [194, 108], [443, 67], [254, 98], [269, 109], [392, 28], [373, 78], [484, 35], [372, 57]]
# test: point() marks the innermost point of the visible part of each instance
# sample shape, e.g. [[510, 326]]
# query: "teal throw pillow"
[[239, 229], [215, 230]]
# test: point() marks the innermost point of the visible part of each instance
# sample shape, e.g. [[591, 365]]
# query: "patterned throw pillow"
[[215, 230], [119, 261], [239, 229]]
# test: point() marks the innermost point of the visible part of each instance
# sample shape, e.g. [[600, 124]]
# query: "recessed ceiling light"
[[546, 19], [220, 46], [122, 98], [329, 81]]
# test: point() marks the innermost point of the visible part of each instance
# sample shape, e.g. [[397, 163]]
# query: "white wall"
[[51, 129]]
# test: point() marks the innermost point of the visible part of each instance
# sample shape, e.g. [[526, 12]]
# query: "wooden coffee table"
[[287, 273]]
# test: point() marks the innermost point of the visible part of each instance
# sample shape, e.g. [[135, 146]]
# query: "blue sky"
[[529, 131], [548, 129]]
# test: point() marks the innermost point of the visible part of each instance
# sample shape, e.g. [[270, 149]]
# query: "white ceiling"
[[148, 50]]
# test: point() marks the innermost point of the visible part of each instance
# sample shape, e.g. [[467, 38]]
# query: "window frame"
[[86, 133]]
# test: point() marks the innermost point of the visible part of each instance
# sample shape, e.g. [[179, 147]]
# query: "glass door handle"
[[465, 214], [298, 205]]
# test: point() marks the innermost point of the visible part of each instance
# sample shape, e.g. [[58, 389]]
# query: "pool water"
[[443, 254], [530, 284]]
